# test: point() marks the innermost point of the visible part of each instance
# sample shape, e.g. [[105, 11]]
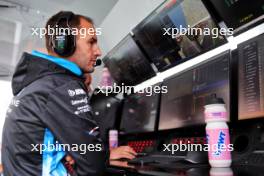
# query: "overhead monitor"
[[239, 14], [127, 64], [166, 48]]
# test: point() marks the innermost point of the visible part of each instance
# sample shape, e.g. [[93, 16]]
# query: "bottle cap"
[[113, 132], [214, 100]]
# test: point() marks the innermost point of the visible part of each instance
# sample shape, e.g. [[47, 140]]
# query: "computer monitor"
[[106, 111], [127, 64], [166, 50], [183, 105], [251, 78], [239, 14], [140, 113]]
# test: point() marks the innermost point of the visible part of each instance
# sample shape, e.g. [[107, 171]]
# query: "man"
[[49, 120]]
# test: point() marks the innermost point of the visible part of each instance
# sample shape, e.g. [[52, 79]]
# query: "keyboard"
[[141, 146], [180, 165], [155, 159]]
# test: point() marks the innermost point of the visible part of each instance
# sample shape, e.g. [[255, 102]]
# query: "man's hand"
[[122, 152], [70, 160], [116, 153]]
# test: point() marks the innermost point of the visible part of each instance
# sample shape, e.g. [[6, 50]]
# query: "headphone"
[[64, 44]]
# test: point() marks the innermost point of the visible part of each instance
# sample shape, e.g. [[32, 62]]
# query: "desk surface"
[[122, 168]]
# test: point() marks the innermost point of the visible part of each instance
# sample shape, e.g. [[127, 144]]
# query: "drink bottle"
[[113, 139], [217, 133]]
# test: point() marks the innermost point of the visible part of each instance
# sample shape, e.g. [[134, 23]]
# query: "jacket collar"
[[71, 66]]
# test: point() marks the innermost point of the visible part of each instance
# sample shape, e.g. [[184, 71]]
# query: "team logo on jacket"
[[82, 109], [80, 101], [71, 93], [76, 92]]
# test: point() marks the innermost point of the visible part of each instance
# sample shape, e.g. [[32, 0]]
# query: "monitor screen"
[[139, 113], [106, 111], [251, 78], [238, 14], [165, 50], [183, 105], [127, 64]]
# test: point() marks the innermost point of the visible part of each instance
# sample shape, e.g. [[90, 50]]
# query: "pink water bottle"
[[106, 79], [113, 139], [217, 133]]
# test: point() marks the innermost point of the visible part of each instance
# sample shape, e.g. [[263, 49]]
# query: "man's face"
[[87, 49]]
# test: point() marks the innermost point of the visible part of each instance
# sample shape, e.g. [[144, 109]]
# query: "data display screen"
[[140, 113], [251, 78], [184, 103]]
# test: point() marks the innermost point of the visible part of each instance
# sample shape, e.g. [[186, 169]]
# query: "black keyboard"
[[182, 164], [155, 159]]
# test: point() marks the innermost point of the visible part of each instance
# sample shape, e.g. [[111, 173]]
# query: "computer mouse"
[[142, 154]]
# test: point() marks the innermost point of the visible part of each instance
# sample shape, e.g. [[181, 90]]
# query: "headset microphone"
[[98, 62]]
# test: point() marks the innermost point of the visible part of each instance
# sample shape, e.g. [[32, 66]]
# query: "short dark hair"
[[73, 23]]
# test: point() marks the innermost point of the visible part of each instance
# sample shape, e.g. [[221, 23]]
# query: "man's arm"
[[68, 117]]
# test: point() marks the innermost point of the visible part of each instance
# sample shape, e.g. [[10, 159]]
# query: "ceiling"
[[96, 9]]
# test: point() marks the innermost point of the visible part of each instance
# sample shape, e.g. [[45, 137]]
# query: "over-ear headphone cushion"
[[64, 45]]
